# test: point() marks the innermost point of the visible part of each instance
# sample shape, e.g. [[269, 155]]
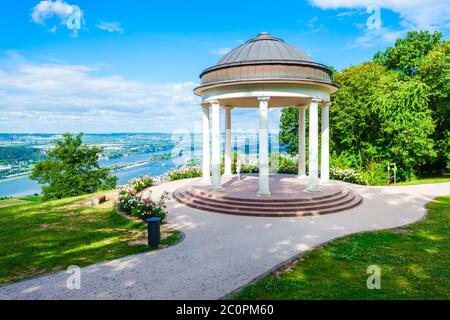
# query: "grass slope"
[[42, 237], [423, 181], [414, 264], [11, 202]]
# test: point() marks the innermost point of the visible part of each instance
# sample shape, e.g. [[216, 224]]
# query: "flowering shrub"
[[277, 162], [190, 172], [141, 183], [286, 164], [134, 205], [128, 200], [147, 208], [348, 175], [250, 168]]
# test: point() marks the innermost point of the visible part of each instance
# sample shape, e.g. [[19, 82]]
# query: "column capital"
[[264, 98], [211, 102], [316, 100], [326, 103]]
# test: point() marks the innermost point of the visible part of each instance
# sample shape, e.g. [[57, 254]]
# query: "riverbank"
[[23, 185]]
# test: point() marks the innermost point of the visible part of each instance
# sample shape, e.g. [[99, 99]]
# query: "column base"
[[205, 180], [302, 176], [263, 194], [326, 181], [227, 175], [313, 189], [217, 189]]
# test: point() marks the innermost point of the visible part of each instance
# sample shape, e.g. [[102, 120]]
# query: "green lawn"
[[11, 202], [414, 262], [424, 181], [42, 237]]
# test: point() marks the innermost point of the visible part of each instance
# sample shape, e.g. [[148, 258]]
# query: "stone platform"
[[289, 197]]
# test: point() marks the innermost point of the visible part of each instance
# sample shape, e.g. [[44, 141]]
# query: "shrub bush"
[[141, 183], [134, 205], [347, 175], [249, 168], [186, 173], [147, 208], [375, 173], [345, 160], [286, 164], [278, 163], [128, 200]]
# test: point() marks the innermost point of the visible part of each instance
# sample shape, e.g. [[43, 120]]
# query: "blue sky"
[[130, 66]]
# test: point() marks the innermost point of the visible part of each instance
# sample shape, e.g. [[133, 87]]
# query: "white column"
[[215, 127], [263, 147], [228, 154], [206, 176], [325, 145], [301, 142], [313, 183]]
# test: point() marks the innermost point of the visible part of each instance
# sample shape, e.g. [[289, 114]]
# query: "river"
[[23, 185]]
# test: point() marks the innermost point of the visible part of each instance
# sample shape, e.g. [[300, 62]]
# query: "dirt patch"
[[401, 230], [285, 269], [137, 242]]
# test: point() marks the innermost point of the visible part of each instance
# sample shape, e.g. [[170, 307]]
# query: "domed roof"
[[262, 48], [265, 59]]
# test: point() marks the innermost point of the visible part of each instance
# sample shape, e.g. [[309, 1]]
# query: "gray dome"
[[264, 48], [265, 59]]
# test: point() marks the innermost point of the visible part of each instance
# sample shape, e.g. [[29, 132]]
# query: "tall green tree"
[[406, 54], [434, 71], [289, 129], [72, 169], [376, 117], [424, 56], [381, 118]]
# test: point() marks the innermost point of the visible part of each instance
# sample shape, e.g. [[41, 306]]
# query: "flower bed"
[[186, 173], [347, 175], [141, 183]]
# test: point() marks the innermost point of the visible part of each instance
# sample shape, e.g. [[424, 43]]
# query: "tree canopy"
[[72, 169], [408, 52]]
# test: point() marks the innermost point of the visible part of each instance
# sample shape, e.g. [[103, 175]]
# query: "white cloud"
[[346, 14], [58, 97], [110, 26], [220, 51], [313, 26], [415, 14], [70, 16], [376, 37]]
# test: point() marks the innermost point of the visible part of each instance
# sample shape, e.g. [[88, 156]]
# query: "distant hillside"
[[16, 154]]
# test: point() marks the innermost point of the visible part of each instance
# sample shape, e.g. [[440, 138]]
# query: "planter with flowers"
[[132, 204], [148, 208]]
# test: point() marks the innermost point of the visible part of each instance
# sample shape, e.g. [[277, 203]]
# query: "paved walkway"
[[222, 253]]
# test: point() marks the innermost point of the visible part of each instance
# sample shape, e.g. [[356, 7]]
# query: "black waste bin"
[[153, 231]]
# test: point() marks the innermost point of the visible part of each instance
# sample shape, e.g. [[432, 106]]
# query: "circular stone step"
[[344, 192], [289, 198]]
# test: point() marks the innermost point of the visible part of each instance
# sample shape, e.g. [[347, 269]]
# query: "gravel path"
[[221, 253]]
